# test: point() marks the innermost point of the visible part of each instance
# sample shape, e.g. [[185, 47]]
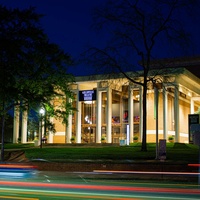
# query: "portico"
[[116, 110]]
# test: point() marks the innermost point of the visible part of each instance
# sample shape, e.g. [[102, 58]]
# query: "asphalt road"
[[77, 185]]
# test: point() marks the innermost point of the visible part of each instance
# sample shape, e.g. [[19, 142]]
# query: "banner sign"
[[162, 149], [192, 119], [195, 131], [87, 95]]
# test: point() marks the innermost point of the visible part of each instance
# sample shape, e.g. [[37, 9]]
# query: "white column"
[[130, 114], [16, 124], [192, 106], [78, 121], [41, 131], [109, 116], [141, 113], [69, 129], [156, 102], [69, 126], [176, 112], [24, 126], [121, 108], [98, 121], [50, 136], [165, 112]]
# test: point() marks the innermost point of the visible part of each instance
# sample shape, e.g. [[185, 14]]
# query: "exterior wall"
[[183, 96], [120, 99], [59, 136], [152, 137], [151, 124], [151, 121], [59, 126], [59, 139], [184, 109], [170, 111]]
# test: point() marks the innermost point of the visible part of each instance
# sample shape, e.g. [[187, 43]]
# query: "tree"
[[139, 30], [33, 71]]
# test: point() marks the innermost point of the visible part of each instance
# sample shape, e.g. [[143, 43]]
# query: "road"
[[61, 185]]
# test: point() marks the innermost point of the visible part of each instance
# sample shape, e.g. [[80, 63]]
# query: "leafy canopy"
[[32, 70]]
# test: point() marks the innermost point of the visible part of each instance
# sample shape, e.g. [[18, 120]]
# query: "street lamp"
[[42, 112]]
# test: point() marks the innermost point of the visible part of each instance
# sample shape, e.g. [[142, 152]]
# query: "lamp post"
[[42, 112]]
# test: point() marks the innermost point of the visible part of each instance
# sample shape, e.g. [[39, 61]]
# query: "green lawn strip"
[[175, 152], [183, 152], [18, 146], [114, 153]]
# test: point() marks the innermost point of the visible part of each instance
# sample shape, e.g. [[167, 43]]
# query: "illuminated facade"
[[110, 110]]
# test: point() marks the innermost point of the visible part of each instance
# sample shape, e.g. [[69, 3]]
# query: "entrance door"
[[88, 128], [88, 134]]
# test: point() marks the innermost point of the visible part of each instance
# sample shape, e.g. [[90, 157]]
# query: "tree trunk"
[[2, 133], [144, 135]]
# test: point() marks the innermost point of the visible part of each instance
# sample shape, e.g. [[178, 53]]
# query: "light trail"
[[84, 195], [194, 165], [145, 172], [102, 187], [17, 171], [17, 198], [17, 166], [78, 195]]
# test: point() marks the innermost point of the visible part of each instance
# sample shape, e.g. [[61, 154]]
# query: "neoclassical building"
[[111, 108]]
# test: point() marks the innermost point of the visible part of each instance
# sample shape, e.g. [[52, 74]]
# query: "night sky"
[[68, 24]]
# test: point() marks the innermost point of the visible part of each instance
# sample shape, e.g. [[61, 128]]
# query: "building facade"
[[110, 109]]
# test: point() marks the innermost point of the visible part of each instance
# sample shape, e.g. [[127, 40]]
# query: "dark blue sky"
[[68, 24]]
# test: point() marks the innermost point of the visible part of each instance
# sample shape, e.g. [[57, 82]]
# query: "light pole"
[[42, 113]]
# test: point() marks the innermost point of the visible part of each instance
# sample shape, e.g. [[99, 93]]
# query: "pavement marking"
[[17, 198], [145, 172], [83, 179]]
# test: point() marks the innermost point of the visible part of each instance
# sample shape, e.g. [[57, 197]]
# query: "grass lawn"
[[175, 152]]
